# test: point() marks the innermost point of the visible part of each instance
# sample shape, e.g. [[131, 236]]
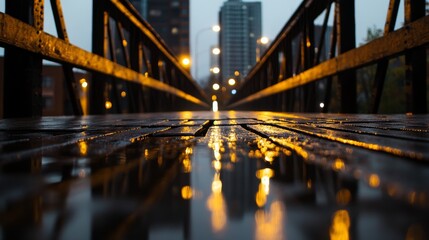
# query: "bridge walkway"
[[224, 175]]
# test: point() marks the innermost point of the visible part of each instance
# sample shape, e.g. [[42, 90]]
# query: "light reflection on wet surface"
[[231, 183]]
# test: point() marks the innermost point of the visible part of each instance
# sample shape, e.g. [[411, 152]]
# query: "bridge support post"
[[23, 69], [346, 41], [415, 61], [99, 46]]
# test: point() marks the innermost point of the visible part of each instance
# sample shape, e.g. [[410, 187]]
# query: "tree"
[[393, 96]]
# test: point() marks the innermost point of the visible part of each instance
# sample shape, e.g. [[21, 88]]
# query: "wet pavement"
[[226, 175]]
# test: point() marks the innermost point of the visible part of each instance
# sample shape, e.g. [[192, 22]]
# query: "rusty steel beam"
[[19, 34], [411, 36], [134, 18]]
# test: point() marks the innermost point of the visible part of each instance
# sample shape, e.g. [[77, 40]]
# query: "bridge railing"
[[310, 68], [126, 52]]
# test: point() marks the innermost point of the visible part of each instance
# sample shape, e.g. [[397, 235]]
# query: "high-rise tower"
[[241, 27], [170, 19]]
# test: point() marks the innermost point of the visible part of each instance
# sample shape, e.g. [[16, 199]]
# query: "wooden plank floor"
[[225, 175]]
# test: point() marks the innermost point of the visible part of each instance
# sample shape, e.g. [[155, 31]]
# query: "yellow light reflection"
[[215, 143], [217, 206], [290, 143], [264, 186], [123, 94], [338, 164], [188, 151], [266, 172], [217, 184], [186, 115], [343, 196], [186, 192], [83, 148], [233, 157], [187, 165], [266, 149], [108, 104], [261, 196], [270, 225], [308, 43], [374, 180], [216, 203], [217, 165], [340, 226]]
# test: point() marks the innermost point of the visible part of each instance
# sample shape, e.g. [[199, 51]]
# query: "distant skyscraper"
[[170, 19], [241, 27]]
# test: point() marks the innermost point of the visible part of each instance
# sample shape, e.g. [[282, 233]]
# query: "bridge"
[[144, 155]]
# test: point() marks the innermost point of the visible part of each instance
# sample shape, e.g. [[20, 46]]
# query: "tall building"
[[241, 27], [170, 19]]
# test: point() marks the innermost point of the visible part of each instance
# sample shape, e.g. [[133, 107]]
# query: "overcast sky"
[[204, 14]]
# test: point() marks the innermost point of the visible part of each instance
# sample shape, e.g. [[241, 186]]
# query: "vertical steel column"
[[71, 85], [154, 65], [346, 41], [332, 50], [100, 47], [288, 73], [136, 61], [309, 43], [415, 61], [22, 69]]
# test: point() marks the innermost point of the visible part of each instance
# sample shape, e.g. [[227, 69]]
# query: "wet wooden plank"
[[202, 175]]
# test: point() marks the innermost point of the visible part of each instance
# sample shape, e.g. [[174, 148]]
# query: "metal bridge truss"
[[288, 76], [142, 62]]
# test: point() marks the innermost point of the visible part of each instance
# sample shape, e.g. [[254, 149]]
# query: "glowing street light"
[[216, 51], [264, 40], [108, 105], [83, 83], [261, 46], [186, 61], [216, 70], [216, 86], [215, 28], [231, 81]]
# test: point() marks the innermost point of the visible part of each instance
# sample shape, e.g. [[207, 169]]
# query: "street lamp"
[[215, 28], [216, 51], [261, 45], [216, 86], [216, 70], [231, 81]]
